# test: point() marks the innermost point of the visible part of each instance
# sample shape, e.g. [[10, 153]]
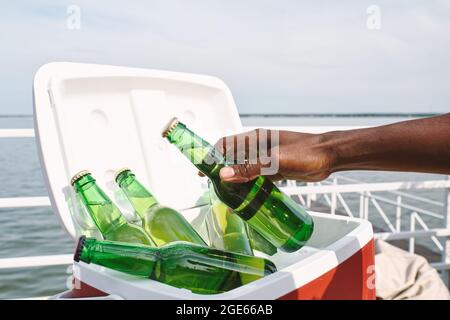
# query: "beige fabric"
[[402, 275]]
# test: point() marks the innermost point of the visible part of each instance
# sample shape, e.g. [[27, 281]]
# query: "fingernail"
[[226, 172]]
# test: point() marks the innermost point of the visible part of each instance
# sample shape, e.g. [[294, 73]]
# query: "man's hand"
[[298, 156]]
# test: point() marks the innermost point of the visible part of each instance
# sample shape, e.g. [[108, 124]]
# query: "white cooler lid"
[[102, 118]]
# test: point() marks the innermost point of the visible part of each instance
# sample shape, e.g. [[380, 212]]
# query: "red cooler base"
[[83, 290], [353, 279]]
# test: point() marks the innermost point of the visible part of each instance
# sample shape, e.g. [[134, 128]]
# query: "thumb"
[[240, 173]]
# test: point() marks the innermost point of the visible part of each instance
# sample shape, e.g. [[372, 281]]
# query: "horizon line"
[[247, 115], [360, 114]]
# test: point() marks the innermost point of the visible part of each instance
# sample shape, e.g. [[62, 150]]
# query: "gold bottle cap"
[[79, 248], [78, 176], [118, 172], [172, 124]]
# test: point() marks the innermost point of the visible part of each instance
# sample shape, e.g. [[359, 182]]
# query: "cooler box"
[[102, 118]]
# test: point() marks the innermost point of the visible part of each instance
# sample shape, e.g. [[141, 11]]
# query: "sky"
[[285, 56]]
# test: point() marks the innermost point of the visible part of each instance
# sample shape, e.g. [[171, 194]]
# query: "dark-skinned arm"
[[421, 145]]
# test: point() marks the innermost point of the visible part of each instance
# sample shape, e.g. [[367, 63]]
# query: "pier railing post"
[[398, 214], [333, 198], [446, 251]]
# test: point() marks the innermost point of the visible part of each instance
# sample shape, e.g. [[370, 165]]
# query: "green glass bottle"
[[260, 203], [161, 223], [226, 231], [258, 242], [107, 217], [180, 264]]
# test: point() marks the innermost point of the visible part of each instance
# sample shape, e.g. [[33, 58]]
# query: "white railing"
[[36, 261], [16, 133], [370, 204], [24, 202], [331, 192]]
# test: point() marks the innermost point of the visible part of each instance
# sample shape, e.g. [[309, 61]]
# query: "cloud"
[[276, 57]]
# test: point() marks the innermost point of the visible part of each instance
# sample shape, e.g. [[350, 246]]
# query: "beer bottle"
[[260, 243], [186, 265], [107, 217], [161, 223], [226, 230], [259, 202]]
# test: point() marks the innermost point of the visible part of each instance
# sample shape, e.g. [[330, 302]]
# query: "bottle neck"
[[140, 198], [203, 155], [88, 246], [212, 193], [102, 210]]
